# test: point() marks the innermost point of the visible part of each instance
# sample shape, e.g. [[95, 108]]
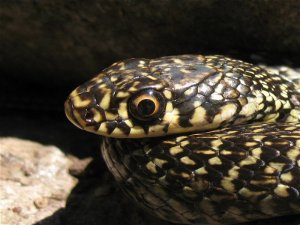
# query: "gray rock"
[[34, 181]]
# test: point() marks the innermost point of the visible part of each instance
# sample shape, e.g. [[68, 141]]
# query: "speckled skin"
[[230, 175], [227, 176]]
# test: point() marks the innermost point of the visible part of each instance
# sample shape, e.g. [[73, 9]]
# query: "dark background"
[[49, 47]]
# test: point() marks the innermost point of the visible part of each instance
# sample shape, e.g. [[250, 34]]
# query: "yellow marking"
[[250, 194], [228, 137], [269, 170], [196, 104], [287, 105], [187, 161], [175, 150], [104, 104], [216, 143], [226, 114], [290, 128], [180, 138], [215, 161], [184, 143], [278, 105], [233, 132], [258, 137], [103, 128], [167, 94], [293, 153], [171, 118], [269, 109], [282, 190], [204, 152], [265, 93], [128, 123], [137, 131], [256, 152], [198, 116], [250, 144], [156, 128], [234, 172], [102, 86], [79, 103], [248, 161], [169, 142], [189, 192], [270, 143], [286, 177], [132, 89], [114, 78], [294, 116], [178, 61], [201, 171], [160, 162], [258, 130], [169, 107], [260, 106], [151, 167], [277, 166], [122, 94], [110, 116], [216, 97], [227, 184], [122, 111], [97, 115], [118, 131], [185, 175], [271, 117], [268, 180]]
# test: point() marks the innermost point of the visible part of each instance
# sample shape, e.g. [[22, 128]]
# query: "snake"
[[196, 139]]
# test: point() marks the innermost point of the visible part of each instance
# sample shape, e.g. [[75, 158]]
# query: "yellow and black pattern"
[[239, 158], [233, 175]]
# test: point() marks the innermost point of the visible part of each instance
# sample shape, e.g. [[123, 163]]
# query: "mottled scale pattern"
[[201, 93], [225, 176], [224, 150]]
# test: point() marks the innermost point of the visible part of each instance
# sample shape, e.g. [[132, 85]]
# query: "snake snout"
[[79, 109]]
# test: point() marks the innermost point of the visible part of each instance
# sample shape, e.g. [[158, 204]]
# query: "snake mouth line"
[[69, 112]]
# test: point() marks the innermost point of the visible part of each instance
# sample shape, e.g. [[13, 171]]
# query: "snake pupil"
[[146, 107]]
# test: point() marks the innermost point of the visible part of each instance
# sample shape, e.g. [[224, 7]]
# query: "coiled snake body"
[[197, 139]]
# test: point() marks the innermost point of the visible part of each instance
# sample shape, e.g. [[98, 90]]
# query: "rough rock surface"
[[34, 181]]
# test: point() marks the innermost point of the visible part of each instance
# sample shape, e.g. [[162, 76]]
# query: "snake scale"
[[197, 139]]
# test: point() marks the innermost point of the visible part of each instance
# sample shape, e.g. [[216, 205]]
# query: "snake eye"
[[147, 105]]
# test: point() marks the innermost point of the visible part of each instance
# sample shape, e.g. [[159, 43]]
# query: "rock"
[[34, 181]]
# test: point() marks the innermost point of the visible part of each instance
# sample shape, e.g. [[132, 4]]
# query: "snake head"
[[140, 98], [124, 100]]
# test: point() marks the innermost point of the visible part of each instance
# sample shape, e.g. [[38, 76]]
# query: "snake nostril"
[[89, 116]]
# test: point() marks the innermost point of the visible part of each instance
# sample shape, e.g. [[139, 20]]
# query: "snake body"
[[197, 139]]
